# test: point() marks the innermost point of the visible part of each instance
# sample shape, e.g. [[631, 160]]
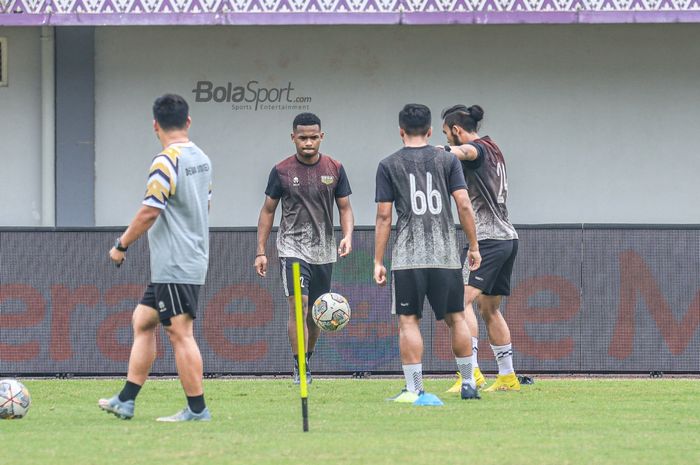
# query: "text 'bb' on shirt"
[[179, 183]]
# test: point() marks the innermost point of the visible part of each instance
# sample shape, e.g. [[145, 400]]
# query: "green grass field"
[[259, 422]]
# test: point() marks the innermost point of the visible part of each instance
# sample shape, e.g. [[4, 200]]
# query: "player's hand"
[[345, 247], [474, 258], [261, 265], [380, 274], [117, 257]]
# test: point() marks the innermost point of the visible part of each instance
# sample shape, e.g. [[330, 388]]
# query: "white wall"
[[20, 130], [598, 123]]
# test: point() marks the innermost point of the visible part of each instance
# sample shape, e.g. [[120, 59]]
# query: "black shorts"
[[170, 300], [443, 287], [497, 259], [315, 279]]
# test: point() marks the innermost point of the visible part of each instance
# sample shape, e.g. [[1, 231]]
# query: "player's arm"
[[141, 223], [347, 224], [267, 216], [465, 152], [161, 184], [466, 219], [382, 230]]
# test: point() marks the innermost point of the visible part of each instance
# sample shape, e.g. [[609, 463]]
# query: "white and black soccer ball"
[[14, 399], [331, 312]]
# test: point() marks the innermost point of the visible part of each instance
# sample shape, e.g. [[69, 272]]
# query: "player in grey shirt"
[[485, 172], [420, 180], [175, 212]]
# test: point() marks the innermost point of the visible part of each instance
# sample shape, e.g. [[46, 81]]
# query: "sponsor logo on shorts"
[[404, 304], [161, 306], [478, 278]]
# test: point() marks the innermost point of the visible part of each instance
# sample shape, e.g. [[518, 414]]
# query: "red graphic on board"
[[31, 329], [219, 319], [63, 302], [520, 314], [637, 282], [33, 314]]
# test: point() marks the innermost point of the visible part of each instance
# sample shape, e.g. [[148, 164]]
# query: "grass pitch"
[[259, 422]]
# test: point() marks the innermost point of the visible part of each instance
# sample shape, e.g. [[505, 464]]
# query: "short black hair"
[[171, 111], [415, 119], [306, 119], [466, 118]]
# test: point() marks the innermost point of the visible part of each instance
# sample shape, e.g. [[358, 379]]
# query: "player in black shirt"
[[485, 171], [309, 185], [420, 180]]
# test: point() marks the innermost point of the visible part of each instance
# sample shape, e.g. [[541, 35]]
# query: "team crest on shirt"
[[327, 180], [295, 181]]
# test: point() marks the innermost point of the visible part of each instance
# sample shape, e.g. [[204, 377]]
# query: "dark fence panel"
[[641, 299], [585, 299]]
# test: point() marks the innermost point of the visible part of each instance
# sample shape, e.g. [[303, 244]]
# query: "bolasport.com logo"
[[251, 96]]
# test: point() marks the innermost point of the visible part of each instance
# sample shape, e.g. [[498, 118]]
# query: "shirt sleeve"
[[162, 182], [456, 180], [274, 185], [342, 189], [477, 162], [385, 190]]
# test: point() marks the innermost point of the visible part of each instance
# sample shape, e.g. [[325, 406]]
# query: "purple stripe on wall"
[[411, 18]]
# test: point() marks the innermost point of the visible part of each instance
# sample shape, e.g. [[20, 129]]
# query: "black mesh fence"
[[585, 299]]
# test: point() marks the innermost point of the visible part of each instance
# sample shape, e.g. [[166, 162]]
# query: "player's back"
[[179, 240], [488, 190], [420, 181]]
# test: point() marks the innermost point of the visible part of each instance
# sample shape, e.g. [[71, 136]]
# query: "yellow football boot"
[[404, 397], [507, 382], [478, 379], [457, 386]]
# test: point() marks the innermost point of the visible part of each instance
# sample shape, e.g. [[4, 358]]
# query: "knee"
[[468, 300], [175, 335], [454, 319], [470, 295], [409, 323], [141, 329], [487, 313], [293, 308]]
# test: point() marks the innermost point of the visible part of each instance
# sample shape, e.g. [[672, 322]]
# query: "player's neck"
[[309, 160], [415, 141], [173, 137], [467, 137]]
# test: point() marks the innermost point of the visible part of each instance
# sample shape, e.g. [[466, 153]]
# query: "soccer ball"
[[14, 399], [331, 312]]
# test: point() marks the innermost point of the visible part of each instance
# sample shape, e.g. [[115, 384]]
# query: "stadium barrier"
[[586, 299]]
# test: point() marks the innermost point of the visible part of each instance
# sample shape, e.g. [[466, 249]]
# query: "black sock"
[[308, 361], [196, 403], [296, 361], [130, 391]]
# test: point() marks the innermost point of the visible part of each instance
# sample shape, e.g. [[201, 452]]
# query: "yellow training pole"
[[296, 275]]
